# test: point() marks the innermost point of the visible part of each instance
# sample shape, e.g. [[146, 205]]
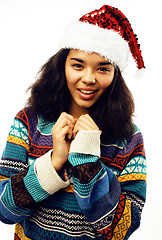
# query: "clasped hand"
[[64, 130]]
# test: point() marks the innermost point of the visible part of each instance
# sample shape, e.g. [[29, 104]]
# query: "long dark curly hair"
[[50, 97]]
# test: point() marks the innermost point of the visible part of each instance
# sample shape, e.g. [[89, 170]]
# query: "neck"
[[77, 111]]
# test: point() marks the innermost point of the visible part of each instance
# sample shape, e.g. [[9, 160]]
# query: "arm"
[[96, 187], [23, 185], [113, 206]]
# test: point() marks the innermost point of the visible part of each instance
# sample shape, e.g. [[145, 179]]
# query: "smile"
[[86, 94]]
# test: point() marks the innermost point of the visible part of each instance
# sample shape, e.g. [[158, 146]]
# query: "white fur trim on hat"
[[91, 38]]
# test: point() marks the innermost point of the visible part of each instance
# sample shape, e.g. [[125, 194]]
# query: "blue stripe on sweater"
[[62, 200], [8, 216], [100, 188], [2, 185], [106, 204]]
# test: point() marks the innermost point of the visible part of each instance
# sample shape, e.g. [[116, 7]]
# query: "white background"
[[29, 34]]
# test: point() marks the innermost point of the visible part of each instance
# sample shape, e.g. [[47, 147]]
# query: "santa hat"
[[107, 32]]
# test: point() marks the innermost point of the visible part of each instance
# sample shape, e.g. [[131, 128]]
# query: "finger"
[[65, 132], [65, 119], [69, 134], [87, 116], [71, 118], [83, 125], [64, 115], [67, 122], [80, 125], [59, 120], [87, 121]]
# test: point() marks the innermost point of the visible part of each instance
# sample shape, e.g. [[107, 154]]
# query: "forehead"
[[86, 56]]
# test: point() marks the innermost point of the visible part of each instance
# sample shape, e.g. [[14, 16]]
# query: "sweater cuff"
[[86, 142], [47, 176]]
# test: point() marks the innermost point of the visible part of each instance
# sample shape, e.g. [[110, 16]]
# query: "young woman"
[[74, 162]]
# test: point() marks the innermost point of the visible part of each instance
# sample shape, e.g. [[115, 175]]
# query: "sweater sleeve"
[[111, 199], [23, 185]]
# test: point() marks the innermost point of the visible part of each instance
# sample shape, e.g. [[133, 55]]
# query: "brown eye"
[[77, 66], [102, 69]]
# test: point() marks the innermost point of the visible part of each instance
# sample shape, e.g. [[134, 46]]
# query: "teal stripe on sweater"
[[62, 200], [15, 152], [78, 158], [137, 187]]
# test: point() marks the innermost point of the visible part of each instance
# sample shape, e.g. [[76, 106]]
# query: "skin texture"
[[88, 76]]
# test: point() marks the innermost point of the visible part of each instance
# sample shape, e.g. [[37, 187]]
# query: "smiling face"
[[88, 76]]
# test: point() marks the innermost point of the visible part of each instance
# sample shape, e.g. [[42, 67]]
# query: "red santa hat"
[[107, 32]]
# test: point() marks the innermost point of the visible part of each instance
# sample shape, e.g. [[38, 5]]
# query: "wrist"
[[47, 175], [56, 162]]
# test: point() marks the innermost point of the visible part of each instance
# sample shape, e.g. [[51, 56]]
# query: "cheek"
[[106, 81], [70, 77], [105, 84]]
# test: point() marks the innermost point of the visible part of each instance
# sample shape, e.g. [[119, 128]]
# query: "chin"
[[86, 105]]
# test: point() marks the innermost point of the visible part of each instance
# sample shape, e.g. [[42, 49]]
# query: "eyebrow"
[[77, 59], [100, 63], [104, 63]]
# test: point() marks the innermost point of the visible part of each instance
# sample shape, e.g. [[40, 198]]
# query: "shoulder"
[[134, 145], [25, 113], [27, 117], [135, 137], [34, 122]]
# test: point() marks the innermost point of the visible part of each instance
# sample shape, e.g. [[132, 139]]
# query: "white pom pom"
[[140, 73]]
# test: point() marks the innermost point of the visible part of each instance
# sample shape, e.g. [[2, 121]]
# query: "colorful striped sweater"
[[92, 197]]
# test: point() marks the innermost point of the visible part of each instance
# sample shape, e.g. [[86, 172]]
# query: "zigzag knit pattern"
[[105, 197]]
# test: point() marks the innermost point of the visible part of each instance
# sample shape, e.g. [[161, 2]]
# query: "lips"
[[86, 94]]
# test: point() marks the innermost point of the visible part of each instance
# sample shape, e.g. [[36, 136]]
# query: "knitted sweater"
[[99, 194]]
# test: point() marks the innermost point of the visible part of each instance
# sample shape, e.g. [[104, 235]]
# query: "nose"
[[88, 77]]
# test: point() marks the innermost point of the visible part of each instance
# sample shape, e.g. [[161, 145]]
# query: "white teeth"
[[87, 92]]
